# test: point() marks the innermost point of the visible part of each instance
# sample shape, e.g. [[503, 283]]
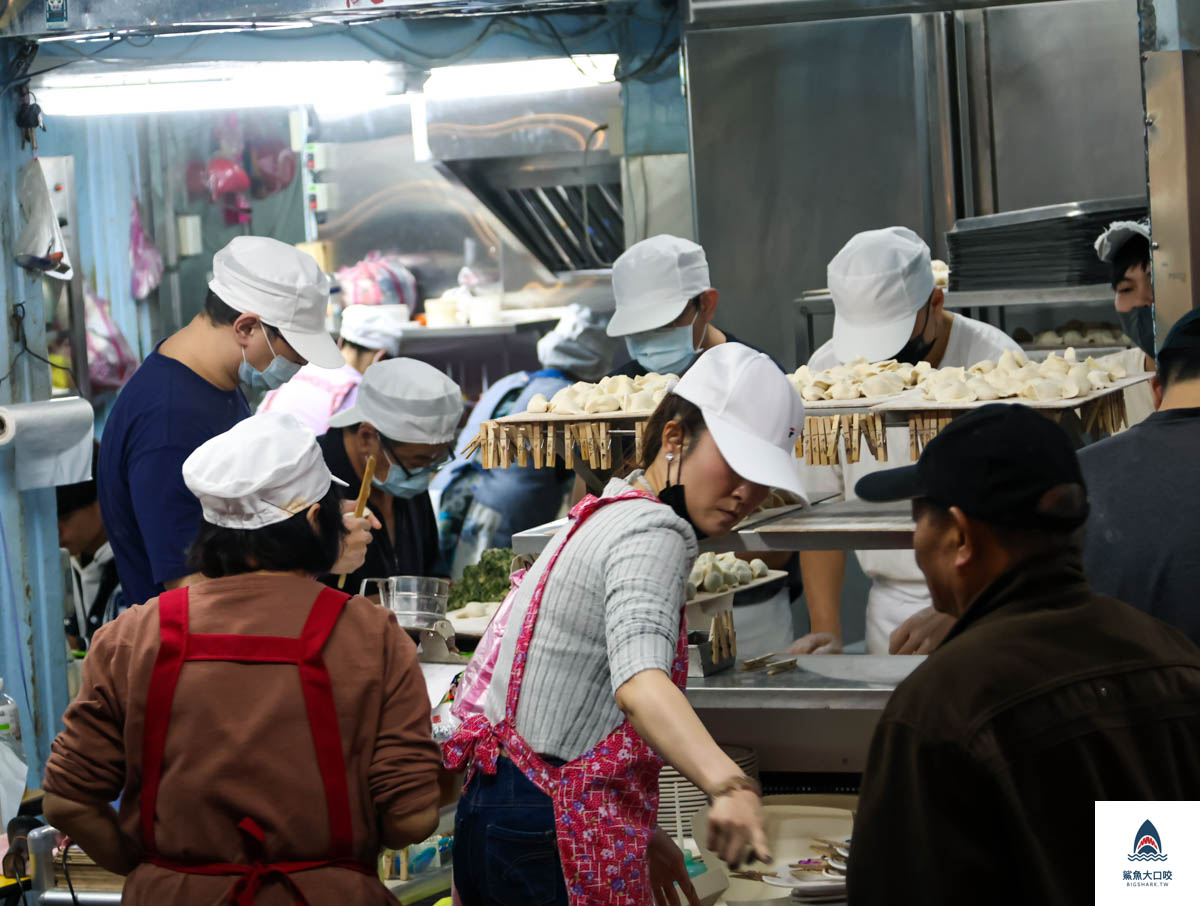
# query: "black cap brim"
[[891, 485]]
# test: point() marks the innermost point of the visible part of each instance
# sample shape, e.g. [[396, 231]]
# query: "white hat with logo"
[[375, 326], [653, 281], [752, 411], [263, 470], [407, 401], [283, 286], [879, 281]]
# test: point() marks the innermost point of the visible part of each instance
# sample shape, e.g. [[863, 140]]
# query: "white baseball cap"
[[283, 286], [375, 326], [752, 411], [653, 281], [263, 470], [879, 281], [1118, 233], [578, 344], [406, 401]]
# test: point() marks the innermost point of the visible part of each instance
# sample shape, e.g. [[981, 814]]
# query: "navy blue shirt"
[[164, 413]]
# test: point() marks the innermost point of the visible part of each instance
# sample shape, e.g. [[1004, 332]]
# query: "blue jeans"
[[505, 846]]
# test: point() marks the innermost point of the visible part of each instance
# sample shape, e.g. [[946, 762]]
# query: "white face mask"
[[278, 373]]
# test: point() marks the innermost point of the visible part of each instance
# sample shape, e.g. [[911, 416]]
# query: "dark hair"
[[1066, 502], [1135, 251], [220, 314], [357, 347], [284, 546], [72, 497], [672, 408], [1176, 365]]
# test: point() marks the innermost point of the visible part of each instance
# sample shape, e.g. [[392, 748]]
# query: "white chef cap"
[[579, 344], [375, 326], [283, 286], [879, 281], [653, 281], [406, 401], [263, 470]]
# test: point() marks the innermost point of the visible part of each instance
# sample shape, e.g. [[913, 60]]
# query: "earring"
[[670, 457]]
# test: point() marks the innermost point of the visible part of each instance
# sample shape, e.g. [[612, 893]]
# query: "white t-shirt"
[[898, 588]]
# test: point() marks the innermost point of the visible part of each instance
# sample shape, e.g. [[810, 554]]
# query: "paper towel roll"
[[52, 441]]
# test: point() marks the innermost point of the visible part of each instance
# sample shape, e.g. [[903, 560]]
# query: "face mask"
[[278, 373], [400, 485], [917, 347], [1138, 324], [667, 351], [673, 495]]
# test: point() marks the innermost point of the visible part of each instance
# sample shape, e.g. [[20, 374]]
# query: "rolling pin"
[[360, 506]]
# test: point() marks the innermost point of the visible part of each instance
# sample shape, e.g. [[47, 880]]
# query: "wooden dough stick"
[[808, 447], [360, 505], [605, 446], [881, 436], [568, 446], [538, 446], [550, 456], [505, 448], [913, 422], [799, 447], [732, 636], [639, 432], [834, 428], [714, 640]]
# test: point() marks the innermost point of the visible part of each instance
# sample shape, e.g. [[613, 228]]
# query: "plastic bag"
[[41, 246], [144, 259], [473, 684], [378, 280], [111, 361]]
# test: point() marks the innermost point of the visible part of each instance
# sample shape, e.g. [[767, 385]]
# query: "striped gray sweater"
[[611, 609]]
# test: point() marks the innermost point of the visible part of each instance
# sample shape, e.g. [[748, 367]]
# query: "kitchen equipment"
[[678, 797], [419, 603], [360, 505]]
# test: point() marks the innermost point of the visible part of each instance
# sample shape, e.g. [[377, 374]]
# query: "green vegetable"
[[487, 580]]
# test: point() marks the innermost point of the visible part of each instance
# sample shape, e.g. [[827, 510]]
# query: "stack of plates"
[[1037, 247], [679, 798]]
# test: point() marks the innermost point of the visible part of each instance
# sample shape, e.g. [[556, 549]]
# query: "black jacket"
[[415, 552], [986, 764]]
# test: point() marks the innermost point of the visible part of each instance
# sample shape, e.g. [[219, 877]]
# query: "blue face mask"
[[399, 484], [278, 373], [667, 351]]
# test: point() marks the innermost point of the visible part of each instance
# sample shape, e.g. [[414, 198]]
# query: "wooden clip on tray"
[[542, 437]]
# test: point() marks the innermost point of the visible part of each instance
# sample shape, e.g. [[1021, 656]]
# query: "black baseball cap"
[[1184, 336], [995, 463]]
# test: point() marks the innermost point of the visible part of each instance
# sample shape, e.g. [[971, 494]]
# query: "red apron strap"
[[322, 717], [172, 630], [252, 649]]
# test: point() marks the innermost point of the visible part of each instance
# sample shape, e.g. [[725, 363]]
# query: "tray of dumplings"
[[578, 422]]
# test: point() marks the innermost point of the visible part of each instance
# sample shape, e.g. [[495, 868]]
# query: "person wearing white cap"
[[585, 698], [266, 735], [482, 508], [263, 318], [406, 416], [369, 334], [886, 306], [1125, 248], [665, 306]]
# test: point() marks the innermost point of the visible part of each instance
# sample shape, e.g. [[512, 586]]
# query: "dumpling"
[[706, 560], [984, 367], [1004, 384], [1097, 378], [691, 590], [1071, 388], [812, 393], [1048, 338], [1011, 361], [886, 384], [982, 389], [1073, 338], [923, 367], [1079, 374], [640, 401], [602, 402], [758, 568], [906, 373], [952, 374], [564, 403], [714, 580], [1070, 356], [696, 577], [845, 390], [1054, 366], [952, 391], [802, 376], [741, 569], [617, 385], [1043, 390], [538, 403]]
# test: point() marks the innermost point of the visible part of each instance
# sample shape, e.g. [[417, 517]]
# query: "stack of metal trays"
[[1038, 247]]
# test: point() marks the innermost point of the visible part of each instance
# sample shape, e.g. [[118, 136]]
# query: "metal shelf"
[[1013, 298]]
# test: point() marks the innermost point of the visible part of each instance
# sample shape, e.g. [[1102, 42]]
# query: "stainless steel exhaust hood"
[[541, 163]]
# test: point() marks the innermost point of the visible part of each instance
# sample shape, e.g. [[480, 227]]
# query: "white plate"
[[469, 626], [825, 886]]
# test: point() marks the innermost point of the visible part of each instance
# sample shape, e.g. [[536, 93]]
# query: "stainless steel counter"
[[818, 718], [840, 525]]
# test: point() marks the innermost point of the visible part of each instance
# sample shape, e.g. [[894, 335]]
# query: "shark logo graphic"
[[1147, 845]]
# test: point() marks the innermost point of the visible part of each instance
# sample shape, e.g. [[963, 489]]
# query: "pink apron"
[[605, 801]]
